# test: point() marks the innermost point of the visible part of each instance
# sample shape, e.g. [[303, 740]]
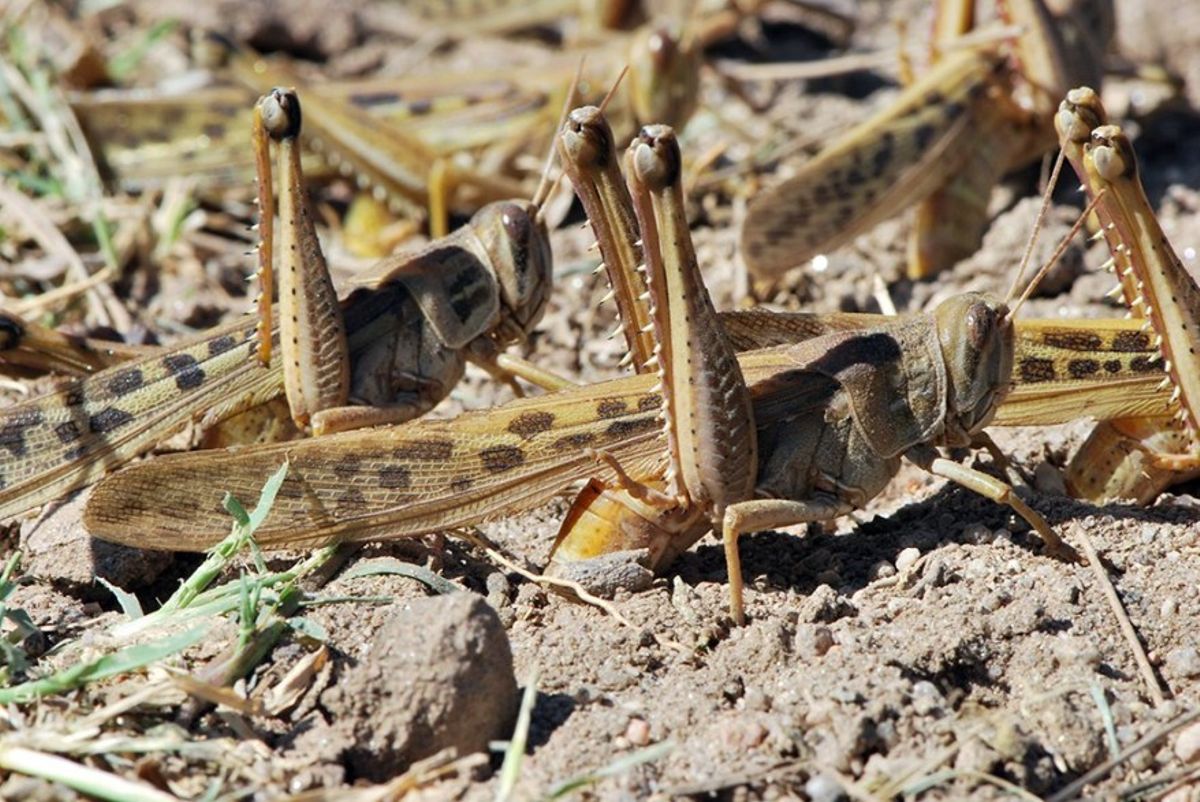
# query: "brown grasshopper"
[[1136, 457], [410, 325], [1049, 358], [433, 475], [942, 144], [399, 138]]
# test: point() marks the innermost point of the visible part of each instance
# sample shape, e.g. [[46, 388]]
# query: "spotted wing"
[[881, 167], [388, 482]]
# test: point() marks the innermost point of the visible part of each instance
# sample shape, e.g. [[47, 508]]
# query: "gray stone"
[[440, 675]]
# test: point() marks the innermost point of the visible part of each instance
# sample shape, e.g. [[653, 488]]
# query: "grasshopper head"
[[664, 76], [976, 336], [519, 246]]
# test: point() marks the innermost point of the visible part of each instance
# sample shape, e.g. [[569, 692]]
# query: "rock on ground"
[[440, 675]]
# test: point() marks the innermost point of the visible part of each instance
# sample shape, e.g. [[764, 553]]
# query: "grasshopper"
[[1057, 364], [399, 138], [1135, 457], [943, 144], [401, 341], [434, 475]]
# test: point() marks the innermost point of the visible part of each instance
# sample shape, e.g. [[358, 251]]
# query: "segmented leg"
[[995, 489], [758, 514], [1155, 286], [316, 364]]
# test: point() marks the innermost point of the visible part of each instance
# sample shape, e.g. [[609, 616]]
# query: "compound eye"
[[516, 223], [981, 321]]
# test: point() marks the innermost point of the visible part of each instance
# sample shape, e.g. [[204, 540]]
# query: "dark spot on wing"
[[923, 135], [650, 403], [1081, 368], [382, 98], [620, 429], [73, 454], [1143, 364], [126, 381], [347, 466], [527, 424], [611, 408], [575, 441], [461, 484], [426, 450], [498, 459], [394, 477], [1035, 370], [67, 431], [186, 370], [219, 345], [74, 396], [1131, 341], [106, 420], [1113, 366], [350, 500], [12, 436], [1073, 340]]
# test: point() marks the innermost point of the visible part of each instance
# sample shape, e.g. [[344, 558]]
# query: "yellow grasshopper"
[[942, 144], [389, 352], [1136, 457], [434, 475]]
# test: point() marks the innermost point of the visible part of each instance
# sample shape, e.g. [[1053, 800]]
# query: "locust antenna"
[[546, 186], [612, 91], [1037, 225], [1058, 252]]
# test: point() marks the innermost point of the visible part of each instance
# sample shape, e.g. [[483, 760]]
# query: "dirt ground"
[[922, 648]]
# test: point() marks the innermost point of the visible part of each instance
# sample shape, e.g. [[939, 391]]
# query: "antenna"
[[545, 186], [1037, 224], [612, 91], [1058, 252]]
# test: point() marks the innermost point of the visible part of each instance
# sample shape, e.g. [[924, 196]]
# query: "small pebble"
[[823, 788], [882, 570], [993, 601], [976, 534], [926, 698], [1169, 607], [1184, 661], [906, 558], [637, 732], [756, 700], [822, 640], [1187, 745]]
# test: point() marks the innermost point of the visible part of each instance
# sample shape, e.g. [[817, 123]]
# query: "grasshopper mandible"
[[410, 325], [943, 144], [433, 475]]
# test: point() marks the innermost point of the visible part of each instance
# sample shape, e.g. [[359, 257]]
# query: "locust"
[[1062, 371], [429, 476], [942, 145], [398, 138], [1135, 457], [389, 352]]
